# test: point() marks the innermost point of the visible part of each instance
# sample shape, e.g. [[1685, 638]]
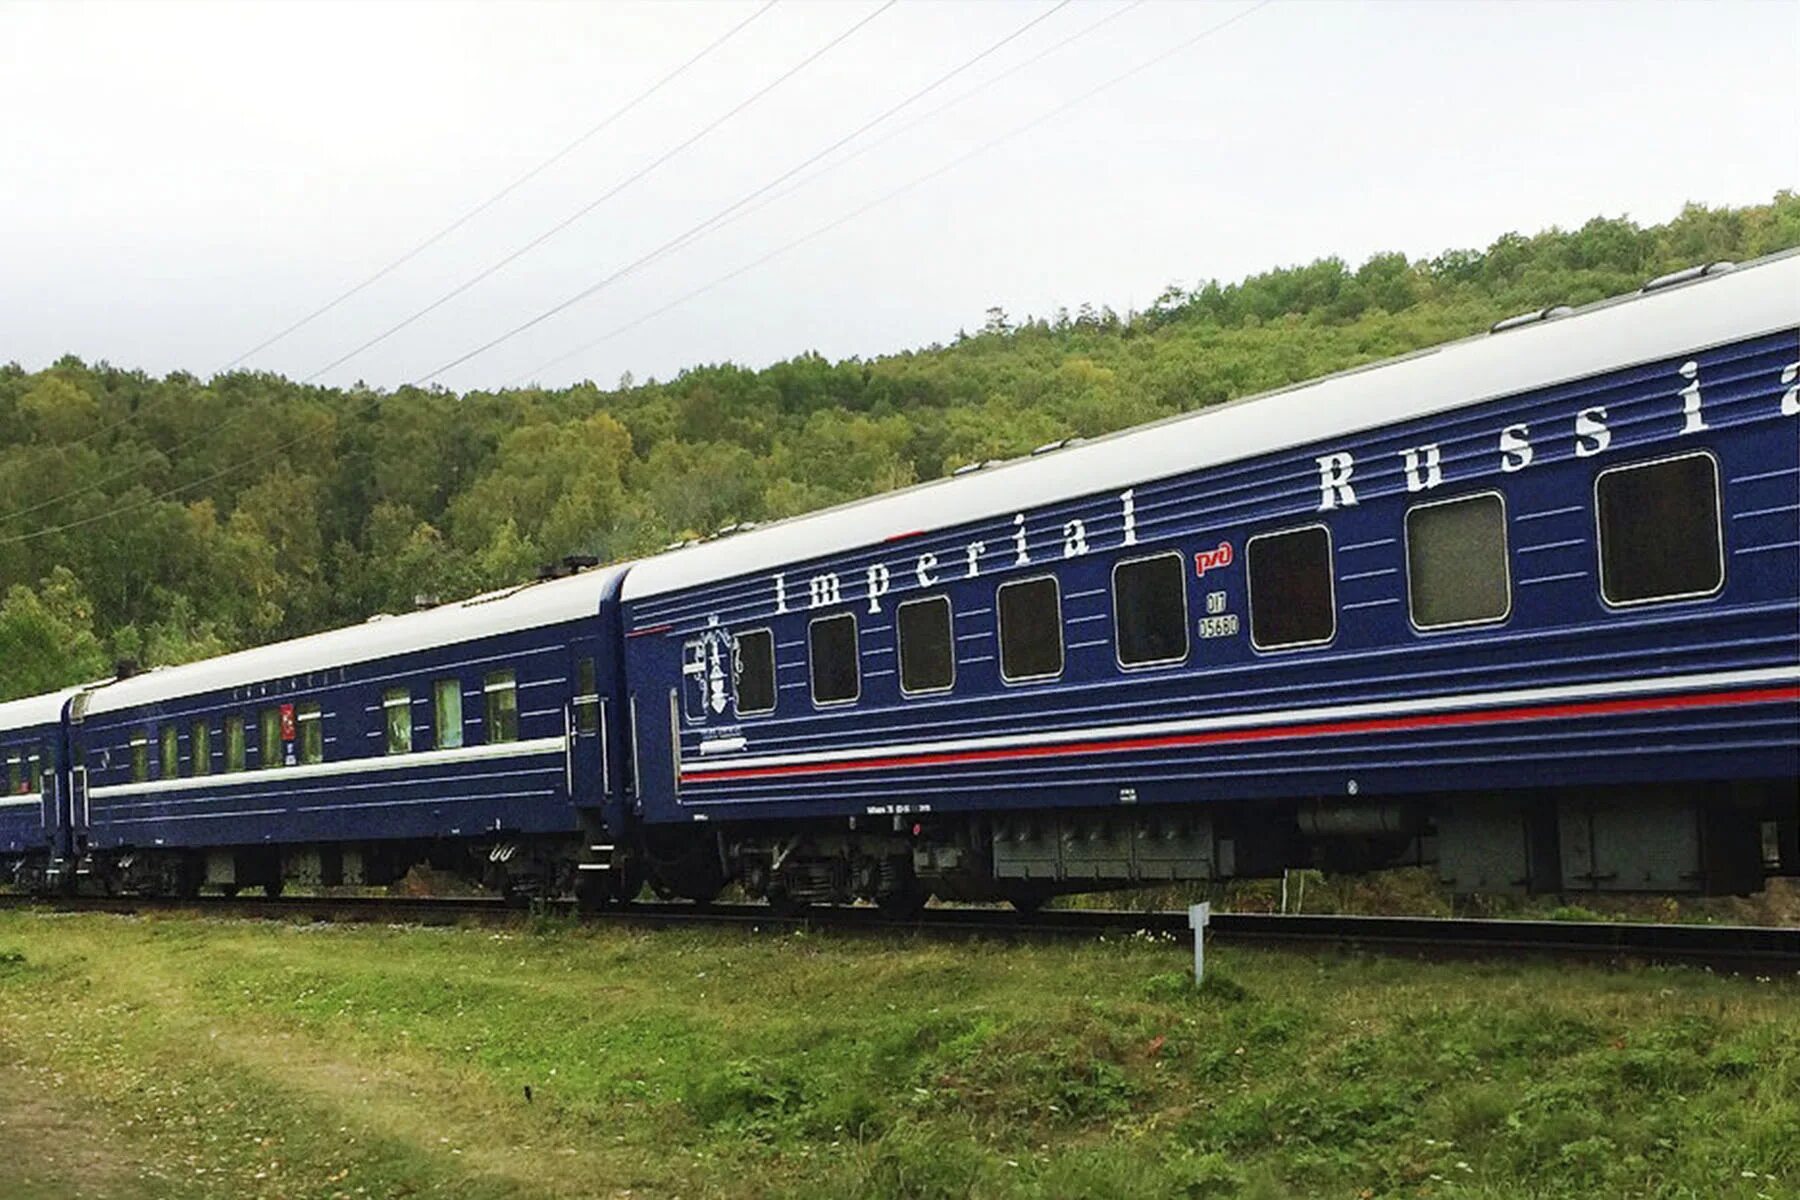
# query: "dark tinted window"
[[587, 696], [1659, 530], [312, 734], [200, 742], [836, 674], [927, 645], [755, 672], [1150, 610], [1030, 615], [1456, 570], [234, 743], [502, 691], [1290, 588]]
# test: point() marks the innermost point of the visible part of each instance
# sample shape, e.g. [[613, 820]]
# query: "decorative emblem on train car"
[[706, 672]]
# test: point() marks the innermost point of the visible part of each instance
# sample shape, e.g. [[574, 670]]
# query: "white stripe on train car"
[[21, 801], [1621, 689], [348, 766]]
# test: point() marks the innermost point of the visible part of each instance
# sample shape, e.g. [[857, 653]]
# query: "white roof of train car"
[[528, 606], [34, 710], [1758, 298]]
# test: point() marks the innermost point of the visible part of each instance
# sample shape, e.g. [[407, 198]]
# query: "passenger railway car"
[[34, 807], [471, 736], [1525, 606]]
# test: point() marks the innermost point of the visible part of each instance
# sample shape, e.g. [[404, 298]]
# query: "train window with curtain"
[[754, 691], [140, 758], [927, 645], [836, 665], [396, 708], [587, 697], [269, 734], [1456, 562], [311, 727], [502, 691], [1291, 597], [200, 742], [447, 714], [1031, 632], [1150, 610], [234, 743], [169, 743], [1659, 530]]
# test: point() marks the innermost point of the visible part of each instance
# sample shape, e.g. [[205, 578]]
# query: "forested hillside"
[[166, 519]]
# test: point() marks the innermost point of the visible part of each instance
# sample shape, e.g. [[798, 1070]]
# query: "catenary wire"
[[919, 181], [896, 193], [587, 136], [725, 214], [592, 132], [585, 209]]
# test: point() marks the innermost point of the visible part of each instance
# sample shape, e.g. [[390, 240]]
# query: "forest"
[[162, 520]]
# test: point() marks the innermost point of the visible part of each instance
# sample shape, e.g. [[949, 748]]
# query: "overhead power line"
[[592, 131], [919, 181], [694, 231], [585, 209], [904, 188]]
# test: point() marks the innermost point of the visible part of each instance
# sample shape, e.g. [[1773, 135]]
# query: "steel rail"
[[1761, 950]]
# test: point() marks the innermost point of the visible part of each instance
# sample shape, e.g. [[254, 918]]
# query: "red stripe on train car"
[[1539, 712]]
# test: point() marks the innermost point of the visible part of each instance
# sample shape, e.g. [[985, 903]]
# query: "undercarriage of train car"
[[1716, 839], [1706, 839]]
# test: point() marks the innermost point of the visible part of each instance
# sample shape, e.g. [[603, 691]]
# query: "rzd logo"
[[1206, 560]]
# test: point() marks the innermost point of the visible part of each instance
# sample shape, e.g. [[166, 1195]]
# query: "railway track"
[[1747, 949]]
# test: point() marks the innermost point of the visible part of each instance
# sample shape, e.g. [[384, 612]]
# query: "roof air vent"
[[580, 562], [1689, 274], [1531, 318], [125, 668]]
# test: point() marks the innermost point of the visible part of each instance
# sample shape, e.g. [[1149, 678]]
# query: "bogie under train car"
[[1525, 607]]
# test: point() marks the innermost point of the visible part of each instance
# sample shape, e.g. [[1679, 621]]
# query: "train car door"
[[585, 719]]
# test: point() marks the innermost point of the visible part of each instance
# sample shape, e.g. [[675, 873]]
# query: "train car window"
[[41, 766], [447, 714], [1659, 530], [140, 758], [836, 669], [927, 645], [1031, 641], [200, 742], [312, 734], [753, 668], [587, 697], [170, 746], [502, 691], [234, 743], [269, 747], [15, 776], [1456, 562], [1291, 588], [1150, 610], [396, 707]]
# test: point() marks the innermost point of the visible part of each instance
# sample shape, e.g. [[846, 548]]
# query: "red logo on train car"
[[1206, 560], [287, 723]]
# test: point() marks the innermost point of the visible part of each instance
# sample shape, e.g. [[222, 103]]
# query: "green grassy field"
[[180, 1057]]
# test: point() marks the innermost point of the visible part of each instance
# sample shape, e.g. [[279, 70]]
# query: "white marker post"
[[1198, 916]]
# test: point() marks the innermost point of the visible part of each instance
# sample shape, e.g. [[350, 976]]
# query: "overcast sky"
[[179, 182]]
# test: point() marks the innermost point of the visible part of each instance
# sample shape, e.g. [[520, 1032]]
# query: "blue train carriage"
[[1523, 606], [34, 817], [475, 737]]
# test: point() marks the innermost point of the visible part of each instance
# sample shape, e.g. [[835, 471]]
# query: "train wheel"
[[902, 904]]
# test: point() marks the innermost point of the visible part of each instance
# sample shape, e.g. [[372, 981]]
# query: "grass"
[[180, 1057]]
